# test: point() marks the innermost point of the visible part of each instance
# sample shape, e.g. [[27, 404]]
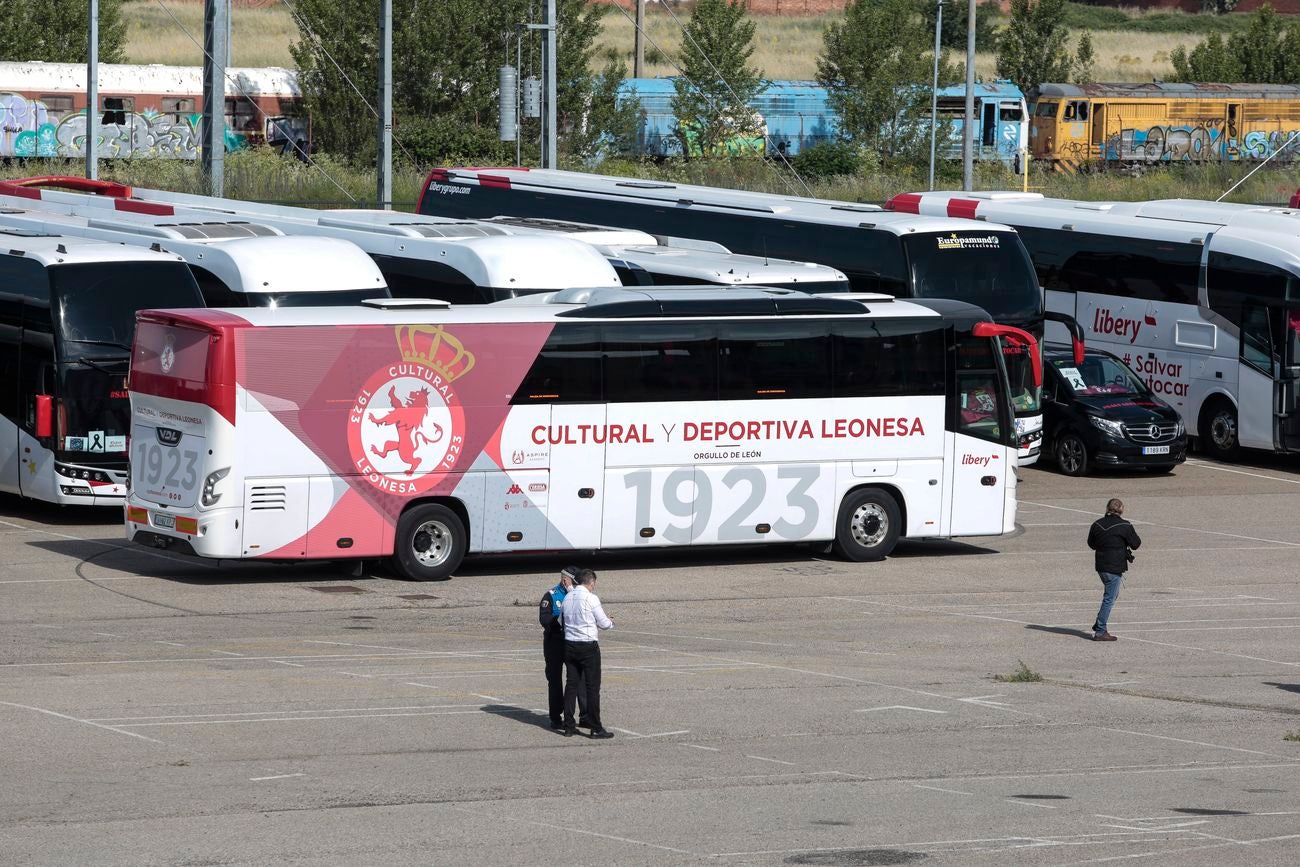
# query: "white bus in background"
[[67, 316], [642, 259], [903, 255], [462, 261], [235, 262], [1200, 298], [582, 420]]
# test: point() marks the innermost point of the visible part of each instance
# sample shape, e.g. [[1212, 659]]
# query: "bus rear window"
[[171, 351]]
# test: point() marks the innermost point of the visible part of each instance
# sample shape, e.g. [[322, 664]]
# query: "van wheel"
[[869, 525], [1218, 430], [430, 543], [1071, 454]]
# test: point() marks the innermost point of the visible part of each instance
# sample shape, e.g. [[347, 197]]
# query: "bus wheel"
[[430, 543], [1218, 429], [868, 526], [1071, 454]]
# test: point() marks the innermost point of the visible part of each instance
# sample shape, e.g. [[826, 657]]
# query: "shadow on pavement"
[[519, 714], [1061, 630], [1287, 687]]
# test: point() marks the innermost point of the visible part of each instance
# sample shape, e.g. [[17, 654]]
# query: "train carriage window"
[[774, 359], [116, 108], [56, 104], [1077, 110], [178, 109], [1046, 109], [677, 361], [1009, 111]]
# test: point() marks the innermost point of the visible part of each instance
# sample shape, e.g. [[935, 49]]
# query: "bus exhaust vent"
[[267, 498]]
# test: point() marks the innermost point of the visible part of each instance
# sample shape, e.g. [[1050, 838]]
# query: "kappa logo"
[[407, 427], [515, 489]]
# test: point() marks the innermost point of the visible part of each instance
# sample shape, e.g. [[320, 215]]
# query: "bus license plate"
[[165, 522], [1155, 450]]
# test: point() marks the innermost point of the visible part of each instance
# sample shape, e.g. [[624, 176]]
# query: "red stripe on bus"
[[905, 203], [144, 207], [963, 208], [494, 181]]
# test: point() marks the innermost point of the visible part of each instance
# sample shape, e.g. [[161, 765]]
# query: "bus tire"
[[869, 525], [430, 543], [1071, 454], [1218, 429]]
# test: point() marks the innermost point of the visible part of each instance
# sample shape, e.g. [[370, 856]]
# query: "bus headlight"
[[1108, 426], [210, 496]]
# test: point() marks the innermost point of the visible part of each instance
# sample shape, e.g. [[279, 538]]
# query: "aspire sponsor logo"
[[1105, 322]]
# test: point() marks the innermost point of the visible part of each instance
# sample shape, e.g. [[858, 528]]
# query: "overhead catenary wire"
[[247, 96], [739, 102], [683, 74], [1275, 153]]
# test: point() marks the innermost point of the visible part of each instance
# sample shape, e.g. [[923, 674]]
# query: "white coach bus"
[[1200, 298], [586, 419]]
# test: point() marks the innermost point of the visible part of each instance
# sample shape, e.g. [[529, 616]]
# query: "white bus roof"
[[608, 304], [245, 264], [773, 205], [676, 257], [153, 78], [64, 250], [488, 256]]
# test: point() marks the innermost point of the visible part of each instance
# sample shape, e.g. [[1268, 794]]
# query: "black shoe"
[[601, 734], [569, 731], [558, 728]]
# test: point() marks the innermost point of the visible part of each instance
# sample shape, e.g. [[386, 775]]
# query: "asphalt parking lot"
[[770, 707]]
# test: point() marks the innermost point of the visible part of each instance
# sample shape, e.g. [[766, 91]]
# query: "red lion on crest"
[[407, 419]]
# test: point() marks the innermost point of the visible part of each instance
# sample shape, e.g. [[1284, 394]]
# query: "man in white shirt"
[[583, 618]]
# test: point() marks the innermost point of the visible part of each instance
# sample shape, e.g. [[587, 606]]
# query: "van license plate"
[[1155, 450], [166, 522]]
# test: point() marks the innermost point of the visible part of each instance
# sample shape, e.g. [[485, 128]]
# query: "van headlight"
[[210, 495], [1180, 429], [1114, 428]]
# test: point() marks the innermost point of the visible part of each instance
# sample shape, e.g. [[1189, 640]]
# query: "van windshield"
[[1099, 374]]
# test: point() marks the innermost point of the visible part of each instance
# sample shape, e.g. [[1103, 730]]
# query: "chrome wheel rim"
[[1223, 431], [432, 544], [869, 525], [1071, 455]]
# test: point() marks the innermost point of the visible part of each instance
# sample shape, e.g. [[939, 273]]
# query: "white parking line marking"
[[76, 720], [210, 722], [1029, 803], [901, 707], [1184, 529], [276, 777], [1205, 466], [766, 759], [701, 747], [264, 713], [294, 664], [938, 789], [626, 732], [228, 652]]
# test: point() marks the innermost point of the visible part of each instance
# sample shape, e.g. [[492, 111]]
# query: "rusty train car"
[[144, 110], [1078, 126]]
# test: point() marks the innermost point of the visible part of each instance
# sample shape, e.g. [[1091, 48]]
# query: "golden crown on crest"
[[436, 348]]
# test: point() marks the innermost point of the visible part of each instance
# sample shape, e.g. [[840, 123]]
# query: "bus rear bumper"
[[214, 534]]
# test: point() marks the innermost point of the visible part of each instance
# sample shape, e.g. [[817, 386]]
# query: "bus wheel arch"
[[431, 539], [1217, 427], [871, 520]]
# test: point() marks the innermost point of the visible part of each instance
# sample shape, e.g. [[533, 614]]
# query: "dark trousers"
[[553, 653], [582, 659]]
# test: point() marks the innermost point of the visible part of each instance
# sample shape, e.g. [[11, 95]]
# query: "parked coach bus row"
[[585, 419]]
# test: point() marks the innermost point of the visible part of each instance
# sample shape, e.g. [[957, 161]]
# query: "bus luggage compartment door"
[[275, 517], [577, 480]]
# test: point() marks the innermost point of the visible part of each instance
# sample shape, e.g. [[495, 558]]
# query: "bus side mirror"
[[44, 416]]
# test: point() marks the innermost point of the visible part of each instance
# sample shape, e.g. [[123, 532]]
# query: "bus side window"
[[775, 359], [669, 362], [888, 358], [215, 291], [567, 370]]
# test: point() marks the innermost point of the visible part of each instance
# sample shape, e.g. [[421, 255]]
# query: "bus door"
[[980, 420], [1288, 387], [1267, 414], [38, 437]]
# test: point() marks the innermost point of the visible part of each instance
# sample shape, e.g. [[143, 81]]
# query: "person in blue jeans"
[[1114, 540]]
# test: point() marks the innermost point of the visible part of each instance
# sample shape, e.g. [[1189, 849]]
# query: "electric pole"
[[548, 60], [384, 162], [212, 128], [638, 56], [934, 90], [968, 128], [92, 93]]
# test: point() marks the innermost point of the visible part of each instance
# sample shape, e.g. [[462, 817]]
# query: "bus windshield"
[[988, 269], [314, 299], [96, 303]]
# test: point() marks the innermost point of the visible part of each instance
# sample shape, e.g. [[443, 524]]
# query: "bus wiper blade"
[[112, 343], [90, 362]]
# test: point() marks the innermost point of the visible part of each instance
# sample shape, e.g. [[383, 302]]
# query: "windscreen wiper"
[[90, 342], [90, 362]]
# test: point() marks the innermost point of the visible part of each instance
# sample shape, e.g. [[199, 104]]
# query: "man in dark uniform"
[[1114, 540], [548, 614]]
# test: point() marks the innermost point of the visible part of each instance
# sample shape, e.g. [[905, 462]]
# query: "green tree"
[[871, 62], [712, 95], [55, 30], [447, 54], [1033, 47], [1210, 61], [1084, 60], [1266, 51], [955, 12]]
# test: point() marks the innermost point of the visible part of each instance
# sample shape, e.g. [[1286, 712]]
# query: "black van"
[[1101, 414]]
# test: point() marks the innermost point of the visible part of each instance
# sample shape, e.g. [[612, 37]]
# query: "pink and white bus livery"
[[585, 419]]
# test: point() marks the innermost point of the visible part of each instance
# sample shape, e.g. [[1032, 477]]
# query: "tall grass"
[[260, 35]]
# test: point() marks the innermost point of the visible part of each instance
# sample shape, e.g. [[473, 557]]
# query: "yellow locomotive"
[[1075, 126]]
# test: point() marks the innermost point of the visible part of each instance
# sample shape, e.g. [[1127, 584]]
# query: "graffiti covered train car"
[[1082, 125], [144, 111]]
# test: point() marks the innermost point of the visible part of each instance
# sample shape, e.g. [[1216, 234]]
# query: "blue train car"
[[798, 115]]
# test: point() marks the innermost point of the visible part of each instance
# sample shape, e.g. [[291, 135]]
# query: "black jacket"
[[1112, 537]]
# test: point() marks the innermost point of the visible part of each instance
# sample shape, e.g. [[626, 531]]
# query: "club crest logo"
[[407, 426], [168, 357]]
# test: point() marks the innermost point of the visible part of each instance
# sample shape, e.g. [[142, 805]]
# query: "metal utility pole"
[[934, 91], [548, 61], [384, 163], [638, 56], [968, 128], [212, 128], [92, 93]]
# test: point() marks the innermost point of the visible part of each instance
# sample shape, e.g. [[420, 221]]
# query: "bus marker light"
[[344, 542], [647, 532], [514, 536], [188, 525], [763, 528], [137, 515]]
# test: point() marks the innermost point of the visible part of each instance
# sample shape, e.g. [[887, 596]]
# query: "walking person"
[[550, 616], [1114, 540], [583, 618]]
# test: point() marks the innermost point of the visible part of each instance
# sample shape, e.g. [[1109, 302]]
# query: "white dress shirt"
[[583, 615]]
